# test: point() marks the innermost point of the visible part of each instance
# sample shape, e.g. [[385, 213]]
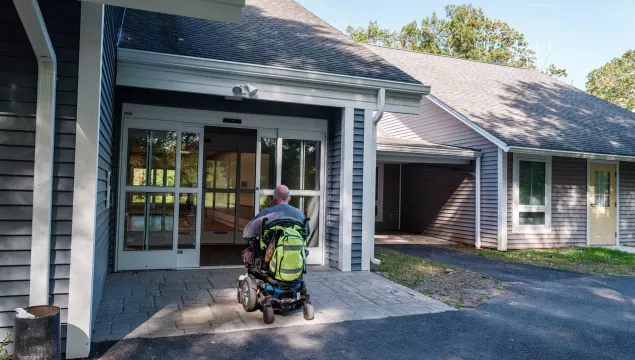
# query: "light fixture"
[[244, 90]]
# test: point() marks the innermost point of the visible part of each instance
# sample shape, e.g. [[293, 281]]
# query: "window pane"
[[189, 159], [160, 221], [531, 218], [134, 222], [311, 165], [187, 221], [248, 171], [310, 206], [602, 189], [137, 157], [221, 170], [291, 167], [220, 211], [246, 211], [266, 201], [163, 160], [532, 182], [268, 163]]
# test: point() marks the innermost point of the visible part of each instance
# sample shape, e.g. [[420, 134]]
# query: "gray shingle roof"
[[273, 32], [521, 107]]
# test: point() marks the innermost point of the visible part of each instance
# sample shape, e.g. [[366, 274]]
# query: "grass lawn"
[[581, 259], [454, 286]]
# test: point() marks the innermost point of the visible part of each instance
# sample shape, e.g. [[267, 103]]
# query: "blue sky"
[[583, 34]]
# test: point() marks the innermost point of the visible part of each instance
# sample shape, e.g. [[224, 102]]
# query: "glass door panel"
[[159, 212]]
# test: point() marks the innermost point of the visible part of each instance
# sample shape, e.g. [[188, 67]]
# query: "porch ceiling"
[[398, 150], [219, 10]]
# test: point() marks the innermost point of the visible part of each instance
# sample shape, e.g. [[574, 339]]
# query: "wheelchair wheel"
[[249, 294], [267, 315], [308, 311]]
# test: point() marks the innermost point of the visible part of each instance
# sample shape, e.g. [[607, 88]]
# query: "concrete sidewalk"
[[174, 303]]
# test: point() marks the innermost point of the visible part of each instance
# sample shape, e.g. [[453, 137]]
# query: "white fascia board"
[[404, 150], [574, 154], [184, 73], [496, 141], [229, 11], [401, 158], [31, 18]]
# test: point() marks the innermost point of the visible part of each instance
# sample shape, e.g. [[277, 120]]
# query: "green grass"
[[407, 270], [580, 259]]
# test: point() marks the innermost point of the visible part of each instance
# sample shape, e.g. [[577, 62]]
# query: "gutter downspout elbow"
[[381, 107]]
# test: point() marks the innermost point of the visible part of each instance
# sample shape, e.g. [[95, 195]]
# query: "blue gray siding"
[[107, 155], [333, 192], [438, 201], [18, 98], [438, 126], [627, 203], [358, 190], [568, 206]]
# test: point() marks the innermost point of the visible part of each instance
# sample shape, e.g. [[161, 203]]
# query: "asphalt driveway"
[[547, 314]]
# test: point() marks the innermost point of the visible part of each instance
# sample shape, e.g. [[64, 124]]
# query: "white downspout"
[[381, 107], [33, 23]]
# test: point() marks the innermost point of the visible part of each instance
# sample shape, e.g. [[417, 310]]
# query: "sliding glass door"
[[159, 208], [295, 159]]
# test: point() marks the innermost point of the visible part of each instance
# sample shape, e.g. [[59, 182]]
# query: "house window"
[[379, 192], [532, 194]]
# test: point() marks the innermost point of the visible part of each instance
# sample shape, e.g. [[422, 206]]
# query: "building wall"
[[105, 230], [438, 201], [627, 203], [333, 192], [437, 125], [568, 206], [18, 99], [358, 190], [391, 200]]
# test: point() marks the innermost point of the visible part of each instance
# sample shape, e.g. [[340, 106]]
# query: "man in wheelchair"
[[276, 259]]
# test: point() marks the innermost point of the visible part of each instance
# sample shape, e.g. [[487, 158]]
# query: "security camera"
[[237, 90]]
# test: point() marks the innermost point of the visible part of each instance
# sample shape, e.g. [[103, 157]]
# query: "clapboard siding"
[[391, 200], [627, 203], [333, 192], [438, 126], [439, 201], [568, 206], [358, 189], [18, 102], [105, 229]]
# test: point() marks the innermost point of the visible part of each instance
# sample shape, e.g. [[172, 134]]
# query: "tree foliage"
[[615, 81], [465, 32]]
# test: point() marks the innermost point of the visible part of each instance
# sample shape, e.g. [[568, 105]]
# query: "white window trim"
[[517, 208], [379, 217]]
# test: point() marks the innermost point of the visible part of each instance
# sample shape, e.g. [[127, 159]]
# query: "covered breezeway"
[[426, 192]]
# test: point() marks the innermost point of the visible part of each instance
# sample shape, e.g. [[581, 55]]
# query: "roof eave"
[[264, 71]]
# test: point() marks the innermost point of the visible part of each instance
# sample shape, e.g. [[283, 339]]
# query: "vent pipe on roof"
[[379, 114]]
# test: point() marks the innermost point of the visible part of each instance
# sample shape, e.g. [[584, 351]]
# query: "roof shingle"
[[521, 107], [273, 32]]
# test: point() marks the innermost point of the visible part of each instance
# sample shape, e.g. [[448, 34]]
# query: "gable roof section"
[[277, 33], [521, 107]]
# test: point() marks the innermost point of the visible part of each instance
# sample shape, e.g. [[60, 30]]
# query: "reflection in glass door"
[[159, 191], [295, 159]]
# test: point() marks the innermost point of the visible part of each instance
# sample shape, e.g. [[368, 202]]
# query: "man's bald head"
[[281, 195]]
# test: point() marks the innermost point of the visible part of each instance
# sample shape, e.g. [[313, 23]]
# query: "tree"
[[373, 34], [615, 81], [555, 72], [465, 32]]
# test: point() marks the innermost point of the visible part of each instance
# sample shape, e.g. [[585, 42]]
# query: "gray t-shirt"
[[276, 212]]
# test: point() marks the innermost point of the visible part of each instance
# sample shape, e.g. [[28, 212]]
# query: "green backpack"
[[289, 258]]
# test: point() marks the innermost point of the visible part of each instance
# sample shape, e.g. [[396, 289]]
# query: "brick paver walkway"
[[173, 303]]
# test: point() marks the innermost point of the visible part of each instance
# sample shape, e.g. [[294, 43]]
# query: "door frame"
[[588, 199], [181, 119]]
